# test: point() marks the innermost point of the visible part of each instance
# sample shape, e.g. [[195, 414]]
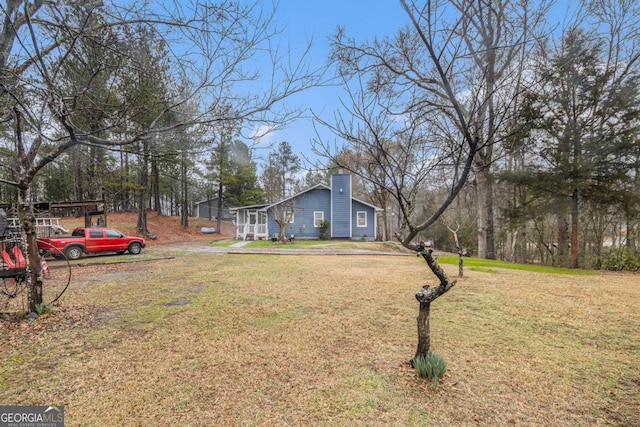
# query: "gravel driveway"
[[202, 246]]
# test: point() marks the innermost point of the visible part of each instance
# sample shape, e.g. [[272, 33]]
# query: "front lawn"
[[223, 339], [481, 264]]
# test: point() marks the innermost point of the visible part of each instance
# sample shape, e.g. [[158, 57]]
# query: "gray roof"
[[266, 206]]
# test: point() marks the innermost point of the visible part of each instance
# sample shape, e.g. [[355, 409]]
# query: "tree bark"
[[424, 330], [92, 171], [425, 296], [562, 240], [155, 175], [144, 188], [27, 220], [184, 217], [574, 229], [631, 231], [484, 192], [219, 207], [459, 249], [78, 178]]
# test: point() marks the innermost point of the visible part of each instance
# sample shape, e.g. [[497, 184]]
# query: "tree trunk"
[[125, 195], [484, 193], [92, 173], [283, 231], [144, 183], [424, 331], [184, 218], [142, 214], [630, 235], [87, 217], [512, 242], [27, 220], [574, 229], [155, 176], [218, 216], [425, 297], [563, 238], [459, 249], [78, 179]]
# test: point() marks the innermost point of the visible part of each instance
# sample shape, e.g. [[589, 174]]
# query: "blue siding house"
[[348, 217]]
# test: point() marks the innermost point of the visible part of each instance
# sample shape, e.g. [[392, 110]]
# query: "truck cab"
[[91, 240]]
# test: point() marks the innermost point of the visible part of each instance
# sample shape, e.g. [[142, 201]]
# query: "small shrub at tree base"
[[431, 366], [43, 308]]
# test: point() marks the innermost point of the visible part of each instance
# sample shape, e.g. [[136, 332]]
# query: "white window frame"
[[289, 214], [358, 219], [317, 223]]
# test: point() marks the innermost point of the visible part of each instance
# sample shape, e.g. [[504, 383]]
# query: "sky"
[[302, 20], [362, 20]]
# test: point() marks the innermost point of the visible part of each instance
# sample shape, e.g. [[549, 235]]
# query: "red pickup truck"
[[91, 240]]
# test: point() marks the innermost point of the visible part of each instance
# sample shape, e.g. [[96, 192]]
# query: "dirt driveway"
[[238, 248]]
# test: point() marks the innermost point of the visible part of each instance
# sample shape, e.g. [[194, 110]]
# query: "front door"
[[253, 219]]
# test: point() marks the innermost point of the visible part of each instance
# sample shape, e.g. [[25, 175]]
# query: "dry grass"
[[208, 339], [167, 230]]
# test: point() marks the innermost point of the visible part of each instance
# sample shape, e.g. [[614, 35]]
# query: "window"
[[362, 219], [289, 214], [113, 233], [95, 234], [318, 217], [262, 217]]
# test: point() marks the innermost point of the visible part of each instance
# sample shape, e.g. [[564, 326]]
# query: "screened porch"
[[251, 224]]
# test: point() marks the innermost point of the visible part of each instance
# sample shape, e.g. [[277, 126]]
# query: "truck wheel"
[[135, 248], [73, 252]]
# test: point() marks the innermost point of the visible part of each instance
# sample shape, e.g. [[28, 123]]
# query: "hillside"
[[166, 228]]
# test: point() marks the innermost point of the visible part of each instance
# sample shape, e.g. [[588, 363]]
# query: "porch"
[[251, 224], [252, 232]]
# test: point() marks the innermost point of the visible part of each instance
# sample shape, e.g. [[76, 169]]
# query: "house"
[[209, 209], [348, 217]]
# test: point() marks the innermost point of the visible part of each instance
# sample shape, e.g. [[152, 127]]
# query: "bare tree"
[[283, 215], [407, 154], [431, 103], [215, 49], [454, 233]]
